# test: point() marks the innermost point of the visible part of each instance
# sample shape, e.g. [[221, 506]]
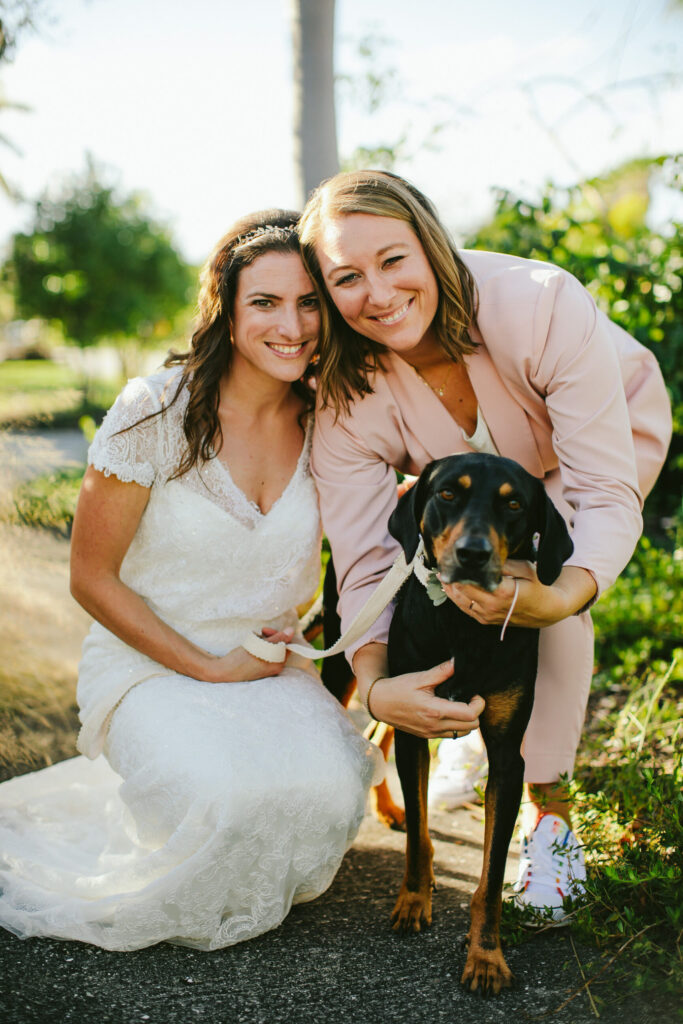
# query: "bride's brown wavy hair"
[[347, 359], [210, 353]]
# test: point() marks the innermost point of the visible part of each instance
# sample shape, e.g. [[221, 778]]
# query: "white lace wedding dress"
[[208, 809]]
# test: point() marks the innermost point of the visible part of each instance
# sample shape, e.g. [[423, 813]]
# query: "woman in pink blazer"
[[426, 353]]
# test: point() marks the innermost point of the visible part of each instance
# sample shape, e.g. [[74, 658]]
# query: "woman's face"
[[379, 278], [276, 317]]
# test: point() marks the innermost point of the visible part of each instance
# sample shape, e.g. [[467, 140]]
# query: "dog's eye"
[[514, 505], [446, 495]]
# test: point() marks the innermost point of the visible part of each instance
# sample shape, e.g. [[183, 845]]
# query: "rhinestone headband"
[[265, 229]]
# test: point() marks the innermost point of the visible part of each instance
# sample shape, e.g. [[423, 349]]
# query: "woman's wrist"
[[578, 588], [369, 665], [368, 694], [203, 667]]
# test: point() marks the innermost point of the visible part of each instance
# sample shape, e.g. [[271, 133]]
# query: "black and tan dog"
[[473, 512]]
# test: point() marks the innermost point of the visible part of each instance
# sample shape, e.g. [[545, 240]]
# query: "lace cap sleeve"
[[132, 456]]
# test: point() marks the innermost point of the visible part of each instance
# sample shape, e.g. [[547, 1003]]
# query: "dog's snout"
[[473, 552]]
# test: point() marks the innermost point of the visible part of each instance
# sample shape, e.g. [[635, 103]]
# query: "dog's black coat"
[[475, 511]]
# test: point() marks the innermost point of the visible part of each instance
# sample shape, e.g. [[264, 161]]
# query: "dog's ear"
[[555, 545], [404, 521]]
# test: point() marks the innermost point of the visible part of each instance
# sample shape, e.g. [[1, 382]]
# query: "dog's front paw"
[[486, 972], [412, 910]]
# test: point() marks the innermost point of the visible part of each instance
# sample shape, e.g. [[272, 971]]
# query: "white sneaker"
[[551, 867], [462, 767]]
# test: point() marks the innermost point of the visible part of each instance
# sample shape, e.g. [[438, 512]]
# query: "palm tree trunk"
[[315, 126]]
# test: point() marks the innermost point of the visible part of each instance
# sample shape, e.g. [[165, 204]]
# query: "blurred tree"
[[16, 18], [598, 230], [377, 86], [315, 126], [98, 266]]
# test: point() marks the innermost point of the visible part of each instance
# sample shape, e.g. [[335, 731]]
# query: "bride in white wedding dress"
[[216, 789]]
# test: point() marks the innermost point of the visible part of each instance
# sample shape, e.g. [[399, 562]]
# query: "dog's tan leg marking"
[[485, 969], [501, 706], [383, 807], [414, 904], [348, 692]]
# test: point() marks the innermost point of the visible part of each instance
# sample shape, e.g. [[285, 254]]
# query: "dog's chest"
[[423, 635]]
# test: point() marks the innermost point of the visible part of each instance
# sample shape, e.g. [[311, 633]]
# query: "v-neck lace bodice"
[[149, 456], [216, 476]]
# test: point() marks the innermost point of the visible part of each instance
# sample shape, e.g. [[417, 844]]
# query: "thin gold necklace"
[[441, 390]]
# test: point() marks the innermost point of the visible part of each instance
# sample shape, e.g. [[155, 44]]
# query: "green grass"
[[34, 375], [38, 713], [47, 501], [631, 823], [41, 393]]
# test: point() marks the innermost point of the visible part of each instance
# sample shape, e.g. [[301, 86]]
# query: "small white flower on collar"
[[428, 578]]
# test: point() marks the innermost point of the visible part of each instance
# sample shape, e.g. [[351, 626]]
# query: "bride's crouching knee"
[[244, 759]]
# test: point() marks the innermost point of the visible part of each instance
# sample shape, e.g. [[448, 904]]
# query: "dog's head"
[[474, 512]]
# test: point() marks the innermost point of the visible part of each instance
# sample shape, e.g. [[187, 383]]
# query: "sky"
[[191, 103]]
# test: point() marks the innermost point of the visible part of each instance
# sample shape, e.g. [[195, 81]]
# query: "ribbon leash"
[[368, 614]]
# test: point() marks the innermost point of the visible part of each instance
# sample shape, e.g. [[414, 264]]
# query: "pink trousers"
[[565, 669]]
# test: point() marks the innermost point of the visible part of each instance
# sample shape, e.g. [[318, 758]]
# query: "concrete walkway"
[[25, 455]]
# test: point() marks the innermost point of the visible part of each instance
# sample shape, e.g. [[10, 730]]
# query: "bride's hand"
[[408, 702], [240, 666]]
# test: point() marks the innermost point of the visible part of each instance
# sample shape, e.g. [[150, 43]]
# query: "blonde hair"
[[347, 358]]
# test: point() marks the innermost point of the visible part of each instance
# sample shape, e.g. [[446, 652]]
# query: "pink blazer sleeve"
[[649, 406], [357, 493], [578, 368]]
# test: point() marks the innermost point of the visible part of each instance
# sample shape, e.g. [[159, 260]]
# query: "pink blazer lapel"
[[422, 412], [506, 419]]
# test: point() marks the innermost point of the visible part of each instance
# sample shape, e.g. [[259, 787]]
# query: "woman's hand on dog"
[[537, 605], [408, 703]]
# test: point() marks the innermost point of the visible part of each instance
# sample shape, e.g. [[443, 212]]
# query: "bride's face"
[[276, 317]]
